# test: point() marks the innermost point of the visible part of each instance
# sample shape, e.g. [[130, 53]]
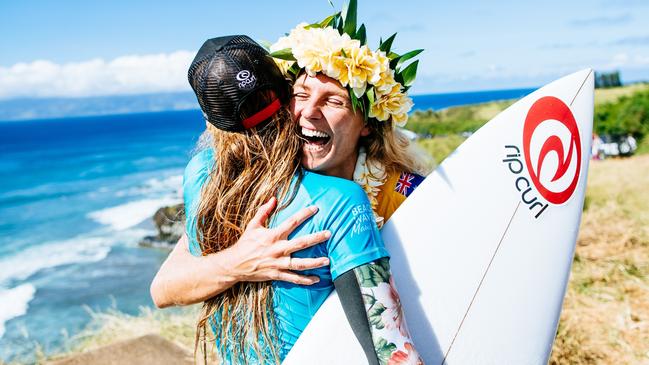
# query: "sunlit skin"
[[323, 109]]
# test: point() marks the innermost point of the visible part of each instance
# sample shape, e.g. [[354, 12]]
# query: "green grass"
[[618, 111], [643, 147], [441, 147]]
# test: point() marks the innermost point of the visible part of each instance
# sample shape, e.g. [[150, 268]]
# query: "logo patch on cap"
[[246, 79]]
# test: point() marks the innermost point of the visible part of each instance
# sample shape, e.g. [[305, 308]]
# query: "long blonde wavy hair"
[[389, 147], [250, 168]]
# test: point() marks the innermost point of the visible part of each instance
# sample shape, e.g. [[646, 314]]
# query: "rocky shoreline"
[[170, 225]]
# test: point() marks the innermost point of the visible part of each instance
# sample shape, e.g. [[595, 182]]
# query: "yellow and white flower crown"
[[376, 80]]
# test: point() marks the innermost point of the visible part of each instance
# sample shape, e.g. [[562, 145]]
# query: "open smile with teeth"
[[314, 139]]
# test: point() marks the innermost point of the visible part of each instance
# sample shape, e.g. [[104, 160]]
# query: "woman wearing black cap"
[[254, 158]]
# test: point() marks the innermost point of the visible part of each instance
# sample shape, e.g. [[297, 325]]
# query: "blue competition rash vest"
[[343, 209]]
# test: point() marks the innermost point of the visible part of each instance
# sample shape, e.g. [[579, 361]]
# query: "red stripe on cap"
[[262, 115]]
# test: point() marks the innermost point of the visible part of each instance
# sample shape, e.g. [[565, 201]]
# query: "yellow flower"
[[284, 43], [400, 120], [394, 103], [315, 49], [362, 68], [335, 61], [386, 77], [385, 83], [384, 63]]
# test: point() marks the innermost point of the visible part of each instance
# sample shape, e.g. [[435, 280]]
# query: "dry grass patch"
[[605, 317], [177, 325], [613, 94]]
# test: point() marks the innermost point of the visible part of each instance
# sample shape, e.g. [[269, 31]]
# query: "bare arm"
[[373, 308], [261, 254]]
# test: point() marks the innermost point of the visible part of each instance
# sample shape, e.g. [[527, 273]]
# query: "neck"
[[344, 170]]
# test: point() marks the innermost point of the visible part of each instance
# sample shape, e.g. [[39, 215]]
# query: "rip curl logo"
[[558, 180], [551, 154], [246, 79]]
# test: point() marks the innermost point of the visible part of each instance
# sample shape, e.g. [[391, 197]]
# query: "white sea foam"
[[36, 258], [130, 214], [14, 303], [169, 186]]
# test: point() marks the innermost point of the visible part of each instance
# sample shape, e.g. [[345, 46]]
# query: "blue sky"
[[81, 48]]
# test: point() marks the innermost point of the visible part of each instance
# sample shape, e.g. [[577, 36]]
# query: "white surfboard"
[[481, 251]]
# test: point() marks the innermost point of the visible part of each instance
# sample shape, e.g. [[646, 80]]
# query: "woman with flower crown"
[[255, 157], [377, 167]]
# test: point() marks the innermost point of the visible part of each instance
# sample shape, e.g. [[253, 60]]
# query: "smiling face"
[[328, 125]]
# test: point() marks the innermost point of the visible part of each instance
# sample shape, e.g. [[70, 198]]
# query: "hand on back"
[[263, 254]]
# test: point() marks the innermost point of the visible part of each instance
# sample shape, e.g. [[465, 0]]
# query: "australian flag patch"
[[407, 183]]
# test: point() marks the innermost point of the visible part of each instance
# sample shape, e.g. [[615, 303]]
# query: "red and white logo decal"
[[554, 175]]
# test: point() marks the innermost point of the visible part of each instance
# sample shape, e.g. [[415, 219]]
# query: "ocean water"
[[440, 101], [76, 195]]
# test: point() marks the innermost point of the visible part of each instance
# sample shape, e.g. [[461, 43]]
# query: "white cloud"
[[625, 60], [134, 74]]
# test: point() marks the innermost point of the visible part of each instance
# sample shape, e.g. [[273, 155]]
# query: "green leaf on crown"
[[385, 46], [399, 61], [354, 99], [283, 54], [328, 21], [370, 95], [361, 34], [398, 77], [409, 73], [349, 14], [294, 69]]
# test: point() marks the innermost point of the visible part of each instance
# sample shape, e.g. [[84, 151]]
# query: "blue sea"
[[76, 195]]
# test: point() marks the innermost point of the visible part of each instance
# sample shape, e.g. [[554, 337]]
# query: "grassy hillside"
[[617, 111], [605, 317]]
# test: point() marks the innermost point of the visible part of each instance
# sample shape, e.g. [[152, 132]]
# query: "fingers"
[[301, 264], [260, 218], [303, 242], [295, 220], [291, 277]]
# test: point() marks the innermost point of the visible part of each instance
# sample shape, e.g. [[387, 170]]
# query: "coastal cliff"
[[170, 224]]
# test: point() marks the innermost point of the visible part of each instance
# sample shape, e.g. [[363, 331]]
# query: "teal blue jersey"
[[343, 209]]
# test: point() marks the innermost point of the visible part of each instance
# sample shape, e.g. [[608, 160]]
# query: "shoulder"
[[196, 174], [201, 163], [343, 190], [198, 169]]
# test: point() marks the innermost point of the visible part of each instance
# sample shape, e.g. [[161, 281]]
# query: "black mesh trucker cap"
[[226, 72]]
